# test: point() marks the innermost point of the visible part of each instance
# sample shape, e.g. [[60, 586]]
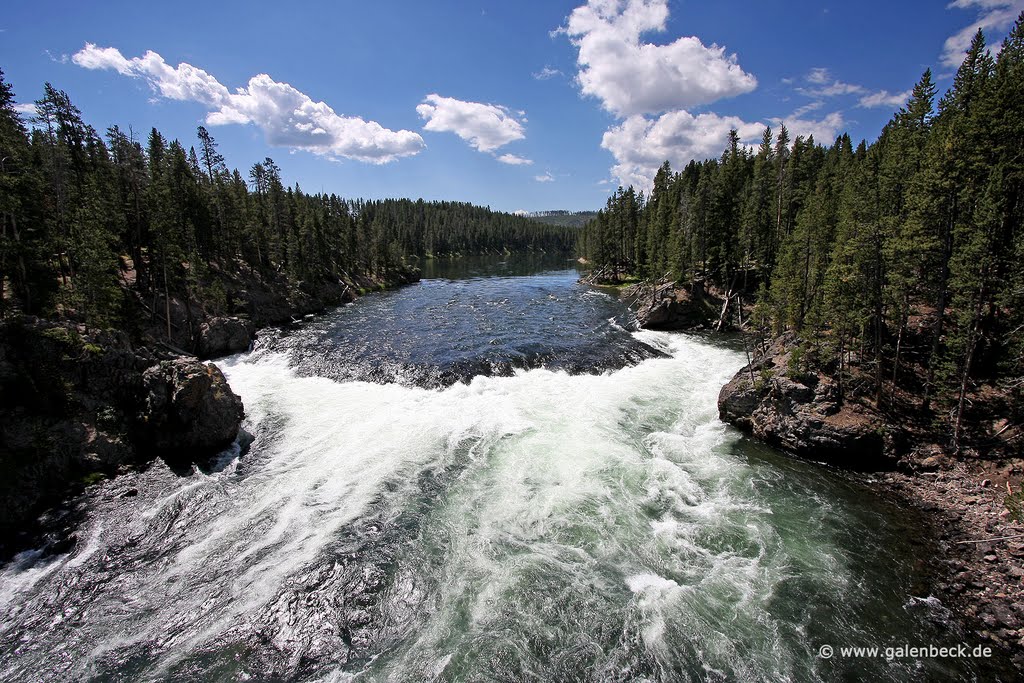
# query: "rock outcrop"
[[70, 402], [668, 306], [247, 300], [190, 411], [802, 413], [223, 336]]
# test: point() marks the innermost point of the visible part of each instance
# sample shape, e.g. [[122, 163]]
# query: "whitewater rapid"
[[537, 526]]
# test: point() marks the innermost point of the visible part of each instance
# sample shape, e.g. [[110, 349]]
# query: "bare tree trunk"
[[839, 375], [725, 311], [899, 346], [750, 364]]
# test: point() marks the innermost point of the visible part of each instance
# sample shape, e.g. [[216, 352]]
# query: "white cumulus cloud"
[[824, 130], [640, 145], [633, 77], [288, 118], [486, 127]]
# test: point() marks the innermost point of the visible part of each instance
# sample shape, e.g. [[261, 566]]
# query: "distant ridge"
[[568, 219]]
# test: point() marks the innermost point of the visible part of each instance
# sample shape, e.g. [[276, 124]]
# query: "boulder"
[[666, 306], [189, 408], [224, 336]]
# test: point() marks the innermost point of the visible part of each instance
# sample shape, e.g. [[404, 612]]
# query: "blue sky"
[[450, 99]]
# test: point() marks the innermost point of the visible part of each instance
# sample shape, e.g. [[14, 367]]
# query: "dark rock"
[[666, 306], [189, 408], [800, 414], [223, 336], [66, 397]]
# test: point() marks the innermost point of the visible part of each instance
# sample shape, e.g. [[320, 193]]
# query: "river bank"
[[972, 499], [979, 564]]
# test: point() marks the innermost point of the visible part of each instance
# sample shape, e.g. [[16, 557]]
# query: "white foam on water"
[[562, 499], [579, 499]]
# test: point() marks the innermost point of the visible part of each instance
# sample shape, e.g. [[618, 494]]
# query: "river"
[[489, 475]]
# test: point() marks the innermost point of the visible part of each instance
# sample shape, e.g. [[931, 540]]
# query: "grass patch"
[[93, 478]]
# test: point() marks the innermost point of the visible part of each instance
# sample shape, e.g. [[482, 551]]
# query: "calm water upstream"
[[485, 476]]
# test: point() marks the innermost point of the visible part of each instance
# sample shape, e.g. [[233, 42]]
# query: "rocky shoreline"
[[979, 565], [78, 404], [666, 305], [804, 413], [978, 568]]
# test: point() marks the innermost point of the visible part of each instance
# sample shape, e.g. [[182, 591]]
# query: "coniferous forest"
[[897, 265], [93, 224]]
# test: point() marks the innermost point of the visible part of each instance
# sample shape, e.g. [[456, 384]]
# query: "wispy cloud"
[[287, 117], [59, 59], [824, 85], [546, 177], [991, 16], [818, 76], [809, 107], [514, 160], [821, 84], [883, 98], [546, 73]]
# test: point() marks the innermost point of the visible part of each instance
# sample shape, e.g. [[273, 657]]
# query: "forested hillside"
[[569, 219], [97, 228], [899, 265]]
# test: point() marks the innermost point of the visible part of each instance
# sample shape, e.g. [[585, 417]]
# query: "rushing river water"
[[485, 476]]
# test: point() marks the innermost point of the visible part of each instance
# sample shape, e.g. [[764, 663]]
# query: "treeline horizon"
[[90, 220], [902, 259]]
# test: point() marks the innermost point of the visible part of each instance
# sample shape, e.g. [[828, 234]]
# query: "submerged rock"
[[189, 407], [803, 414]]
